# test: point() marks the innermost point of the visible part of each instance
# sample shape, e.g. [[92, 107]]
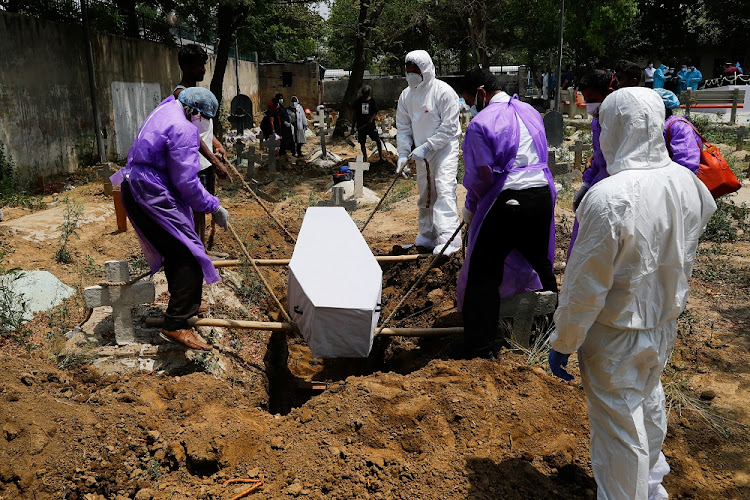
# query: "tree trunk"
[[229, 18], [369, 12]]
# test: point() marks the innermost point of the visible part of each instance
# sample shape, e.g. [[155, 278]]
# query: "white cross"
[[252, 159], [359, 167], [323, 128], [122, 298]]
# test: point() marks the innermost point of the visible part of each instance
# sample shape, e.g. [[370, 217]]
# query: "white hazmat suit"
[[625, 284], [427, 116]]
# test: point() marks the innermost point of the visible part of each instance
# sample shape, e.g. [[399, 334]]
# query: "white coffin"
[[335, 285]]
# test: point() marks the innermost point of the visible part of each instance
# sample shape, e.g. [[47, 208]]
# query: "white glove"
[[420, 153], [401, 164], [467, 216], [579, 196], [221, 217]]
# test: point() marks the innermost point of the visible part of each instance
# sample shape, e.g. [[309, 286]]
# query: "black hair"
[[667, 112], [631, 69], [598, 80], [480, 77], [190, 54]]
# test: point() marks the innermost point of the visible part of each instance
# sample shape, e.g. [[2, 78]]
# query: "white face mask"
[[591, 107], [413, 79], [651, 66], [281, 101], [684, 68], [474, 111]]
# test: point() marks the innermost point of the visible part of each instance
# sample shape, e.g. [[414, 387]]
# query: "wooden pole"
[[735, 98], [288, 327], [387, 191], [257, 271], [285, 262]]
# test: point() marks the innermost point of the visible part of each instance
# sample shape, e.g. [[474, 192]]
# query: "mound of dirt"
[[476, 429]]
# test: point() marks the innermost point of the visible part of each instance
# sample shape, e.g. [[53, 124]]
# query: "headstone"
[[323, 128], [554, 167], [553, 128], [359, 167], [123, 298], [271, 144], [241, 116], [105, 172], [338, 194], [741, 134], [578, 149], [523, 309], [252, 159]]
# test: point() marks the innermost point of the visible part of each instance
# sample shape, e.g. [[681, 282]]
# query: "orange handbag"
[[714, 170]]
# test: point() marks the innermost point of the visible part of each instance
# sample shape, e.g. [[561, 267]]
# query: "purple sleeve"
[[684, 145], [183, 164], [592, 174], [478, 157]]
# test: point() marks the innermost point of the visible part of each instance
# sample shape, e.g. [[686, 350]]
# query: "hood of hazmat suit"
[[428, 115], [625, 284]]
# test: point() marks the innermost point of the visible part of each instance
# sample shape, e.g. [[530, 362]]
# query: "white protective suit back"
[[639, 227]]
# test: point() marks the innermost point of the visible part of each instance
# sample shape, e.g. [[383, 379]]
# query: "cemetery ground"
[[406, 423]]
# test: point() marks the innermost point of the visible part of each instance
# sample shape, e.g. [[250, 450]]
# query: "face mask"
[[684, 68], [691, 68], [591, 107], [651, 66], [413, 79], [281, 101], [474, 111]]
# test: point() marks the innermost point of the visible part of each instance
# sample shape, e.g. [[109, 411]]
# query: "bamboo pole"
[[287, 327], [257, 271], [285, 262]]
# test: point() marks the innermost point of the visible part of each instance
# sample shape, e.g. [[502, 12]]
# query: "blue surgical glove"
[[556, 363], [420, 153]]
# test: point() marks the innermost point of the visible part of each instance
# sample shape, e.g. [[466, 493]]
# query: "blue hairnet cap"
[[200, 99], [344, 169], [670, 100]]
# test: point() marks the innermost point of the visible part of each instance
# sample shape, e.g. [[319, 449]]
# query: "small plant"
[[91, 268], [13, 307], [11, 192], [76, 358], [536, 354], [728, 223], [68, 229], [679, 399]]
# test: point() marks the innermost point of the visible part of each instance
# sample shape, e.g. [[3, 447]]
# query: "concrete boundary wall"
[[46, 118]]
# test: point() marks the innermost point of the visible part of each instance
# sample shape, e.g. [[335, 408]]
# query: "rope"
[[421, 276], [125, 283], [255, 268], [380, 203], [263, 205]]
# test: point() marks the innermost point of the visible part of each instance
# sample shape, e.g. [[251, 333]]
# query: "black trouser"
[[184, 273], [299, 148], [207, 176], [523, 227], [372, 133]]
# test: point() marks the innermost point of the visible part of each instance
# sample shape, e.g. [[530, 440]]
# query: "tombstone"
[[578, 149], [105, 171], [523, 309], [271, 144], [553, 128], [554, 167], [323, 128], [241, 113], [741, 134], [359, 167], [252, 159], [337, 200], [121, 296]]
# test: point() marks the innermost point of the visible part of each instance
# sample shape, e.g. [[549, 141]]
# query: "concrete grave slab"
[[44, 225], [39, 290]]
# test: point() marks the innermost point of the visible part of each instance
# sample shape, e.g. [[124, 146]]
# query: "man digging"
[[161, 190]]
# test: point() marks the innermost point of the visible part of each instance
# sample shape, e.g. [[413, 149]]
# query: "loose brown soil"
[[406, 423]]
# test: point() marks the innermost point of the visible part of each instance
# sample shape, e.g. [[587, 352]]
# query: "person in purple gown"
[[683, 142], [160, 191], [509, 208]]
